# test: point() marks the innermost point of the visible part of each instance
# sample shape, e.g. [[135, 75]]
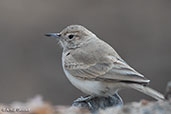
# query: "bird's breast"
[[90, 87]]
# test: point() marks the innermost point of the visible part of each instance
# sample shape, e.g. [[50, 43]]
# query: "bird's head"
[[73, 36]]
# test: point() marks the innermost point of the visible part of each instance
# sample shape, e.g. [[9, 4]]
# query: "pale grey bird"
[[94, 67]]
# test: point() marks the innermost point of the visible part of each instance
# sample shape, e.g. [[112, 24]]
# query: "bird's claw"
[[84, 99]]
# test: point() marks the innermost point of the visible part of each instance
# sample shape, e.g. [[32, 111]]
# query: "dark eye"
[[70, 36]]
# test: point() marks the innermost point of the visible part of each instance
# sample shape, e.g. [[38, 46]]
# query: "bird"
[[95, 68]]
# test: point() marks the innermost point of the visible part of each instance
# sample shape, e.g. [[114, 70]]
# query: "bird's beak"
[[56, 35]]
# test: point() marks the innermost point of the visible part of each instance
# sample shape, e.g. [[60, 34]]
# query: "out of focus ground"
[[37, 105]]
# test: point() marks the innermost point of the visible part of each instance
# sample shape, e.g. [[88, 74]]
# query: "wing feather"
[[113, 69]]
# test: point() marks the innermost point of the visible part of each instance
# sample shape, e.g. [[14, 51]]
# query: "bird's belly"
[[91, 87], [86, 86], [95, 88]]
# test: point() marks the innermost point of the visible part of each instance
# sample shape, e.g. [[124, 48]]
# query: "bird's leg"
[[89, 105], [84, 99]]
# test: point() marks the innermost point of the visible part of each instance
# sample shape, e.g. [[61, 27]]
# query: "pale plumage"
[[94, 67], [93, 62]]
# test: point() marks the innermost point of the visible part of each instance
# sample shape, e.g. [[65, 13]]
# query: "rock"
[[100, 105], [97, 103], [168, 91], [38, 106], [162, 107]]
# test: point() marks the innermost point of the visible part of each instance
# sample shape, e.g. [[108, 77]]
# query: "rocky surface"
[[168, 91], [111, 105], [97, 103], [37, 106]]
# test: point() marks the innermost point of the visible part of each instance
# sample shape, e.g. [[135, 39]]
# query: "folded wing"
[[107, 69]]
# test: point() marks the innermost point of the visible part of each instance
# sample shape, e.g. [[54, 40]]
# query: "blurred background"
[[30, 63]]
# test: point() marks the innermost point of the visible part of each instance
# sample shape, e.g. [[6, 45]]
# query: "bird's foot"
[[84, 99], [94, 103]]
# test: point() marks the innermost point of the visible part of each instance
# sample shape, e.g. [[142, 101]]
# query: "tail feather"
[[148, 91]]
